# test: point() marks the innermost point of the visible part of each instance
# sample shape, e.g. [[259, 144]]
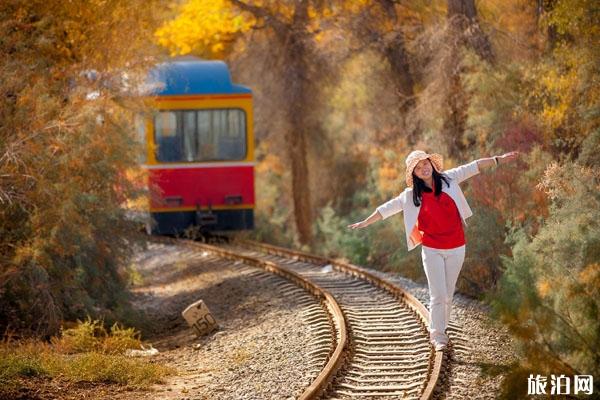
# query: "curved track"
[[390, 355], [372, 340]]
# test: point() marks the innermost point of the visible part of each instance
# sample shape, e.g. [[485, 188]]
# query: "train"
[[199, 149]]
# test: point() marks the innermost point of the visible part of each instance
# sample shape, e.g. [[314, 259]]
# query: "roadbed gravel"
[[263, 323], [259, 350]]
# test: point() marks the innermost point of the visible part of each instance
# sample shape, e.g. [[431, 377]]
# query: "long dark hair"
[[419, 184]]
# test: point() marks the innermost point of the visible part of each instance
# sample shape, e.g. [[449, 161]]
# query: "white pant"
[[442, 267]]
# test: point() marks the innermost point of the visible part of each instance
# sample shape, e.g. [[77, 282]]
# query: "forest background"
[[344, 90]]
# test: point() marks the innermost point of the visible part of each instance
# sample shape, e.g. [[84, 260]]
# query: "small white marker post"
[[199, 318]]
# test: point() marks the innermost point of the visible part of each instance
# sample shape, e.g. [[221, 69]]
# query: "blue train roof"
[[190, 75]]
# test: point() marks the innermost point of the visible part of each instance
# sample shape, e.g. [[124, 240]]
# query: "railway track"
[[371, 336]]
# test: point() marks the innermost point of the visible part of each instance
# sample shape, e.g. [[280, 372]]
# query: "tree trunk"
[[298, 106], [395, 52], [463, 30], [462, 14], [293, 38], [456, 112]]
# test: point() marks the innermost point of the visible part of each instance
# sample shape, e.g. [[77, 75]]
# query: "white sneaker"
[[440, 346]]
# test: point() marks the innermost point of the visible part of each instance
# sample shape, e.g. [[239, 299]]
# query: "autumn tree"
[[386, 27], [548, 295], [66, 143]]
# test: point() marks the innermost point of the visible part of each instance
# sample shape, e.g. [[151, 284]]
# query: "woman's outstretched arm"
[[368, 221], [503, 159]]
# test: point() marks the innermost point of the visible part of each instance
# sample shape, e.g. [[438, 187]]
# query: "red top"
[[439, 221]]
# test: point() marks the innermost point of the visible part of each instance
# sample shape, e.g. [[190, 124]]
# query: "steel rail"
[[436, 362], [338, 357]]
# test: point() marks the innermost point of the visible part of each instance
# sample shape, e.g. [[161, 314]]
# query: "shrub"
[[67, 140], [86, 336], [91, 336], [85, 352], [549, 293], [121, 339]]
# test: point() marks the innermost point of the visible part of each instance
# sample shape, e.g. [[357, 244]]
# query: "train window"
[[206, 135], [167, 139], [201, 135], [189, 135], [236, 123], [221, 134]]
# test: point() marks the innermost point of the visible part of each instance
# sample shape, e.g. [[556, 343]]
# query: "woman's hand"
[[357, 225], [368, 221], [508, 157]]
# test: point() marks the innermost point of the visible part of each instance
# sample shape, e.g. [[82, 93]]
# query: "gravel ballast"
[[259, 350], [480, 344]]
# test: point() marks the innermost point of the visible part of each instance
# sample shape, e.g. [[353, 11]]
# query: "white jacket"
[[404, 202]]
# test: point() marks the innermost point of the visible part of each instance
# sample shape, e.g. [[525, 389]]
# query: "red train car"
[[200, 149]]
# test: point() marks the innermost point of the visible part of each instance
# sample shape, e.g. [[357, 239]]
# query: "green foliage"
[[25, 364], [484, 249], [590, 156], [495, 102], [377, 245], [380, 245], [86, 336], [548, 295], [336, 240], [99, 367]]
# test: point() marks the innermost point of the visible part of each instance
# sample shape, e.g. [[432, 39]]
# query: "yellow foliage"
[[543, 287], [270, 163], [516, 19], [561, 89], [589, 273], [206, 27], [389, 178], [210, 27], [355, 6], [589, 278]]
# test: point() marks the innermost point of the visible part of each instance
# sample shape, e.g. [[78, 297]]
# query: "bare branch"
[[260, 12]]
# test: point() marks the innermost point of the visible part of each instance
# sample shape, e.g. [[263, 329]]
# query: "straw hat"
[[413, 159]]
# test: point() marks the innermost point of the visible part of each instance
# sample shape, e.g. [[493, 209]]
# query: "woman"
[[435, 210]]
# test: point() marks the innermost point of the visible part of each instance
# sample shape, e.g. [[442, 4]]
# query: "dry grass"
[[86, 352]]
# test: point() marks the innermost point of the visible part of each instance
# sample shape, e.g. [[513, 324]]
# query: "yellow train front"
[[200, 149]]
